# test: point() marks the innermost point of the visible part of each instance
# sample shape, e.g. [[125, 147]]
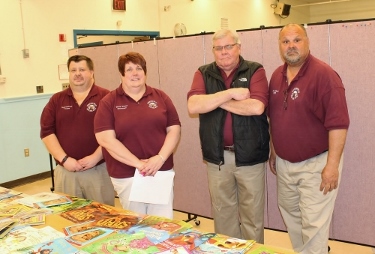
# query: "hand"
[[152, 165], [72, 165], [330, 179], [239, 94], [272, 163], [87, 162]]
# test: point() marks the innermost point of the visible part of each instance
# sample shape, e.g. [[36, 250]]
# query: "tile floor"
[[272, 237]]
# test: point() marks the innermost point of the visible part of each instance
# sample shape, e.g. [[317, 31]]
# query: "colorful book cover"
[[189, 239], [178, 250], [62, 200], [76, 203], [57, 246], [12, 199], [224, 244], [7, 193], [158, 229], [39, 197], [26, 237], [37, 219], [92, 211], [88, 236], [118, 221], [76, 228], [9, 210], [136, 243], [265, 250], [5, 226]]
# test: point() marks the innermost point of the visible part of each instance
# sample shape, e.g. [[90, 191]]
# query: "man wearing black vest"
[[230, 95]]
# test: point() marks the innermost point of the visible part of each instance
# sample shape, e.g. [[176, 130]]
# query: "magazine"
[[76, 203], [40, 197], [26, 237], [118, 221], [88, 236], [5, 226], [36, 219], [76, 228], [92, 211], [7, 193], [122, 243], [9, 210], [62, 200], [56, 246], [158, 229], [224, 244], [189, 239]]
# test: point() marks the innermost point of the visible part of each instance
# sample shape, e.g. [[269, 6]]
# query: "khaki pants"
[[237, 197], [93, 184], [306, 211]]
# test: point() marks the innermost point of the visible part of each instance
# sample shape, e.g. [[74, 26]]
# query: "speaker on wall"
[[282, 9]]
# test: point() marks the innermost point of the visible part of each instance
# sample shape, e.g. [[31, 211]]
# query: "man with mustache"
[[308, 122]]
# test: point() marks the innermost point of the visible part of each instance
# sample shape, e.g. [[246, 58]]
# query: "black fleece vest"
[[250, 133]]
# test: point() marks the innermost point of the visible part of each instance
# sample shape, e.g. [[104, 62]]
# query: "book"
[[189, 239], [9, 210], [76, 203], [158, 229], [5, 226], [26, 237], [88, 236], [117, 221], [265, 250], [178, 250], [122, 243], [62, 200], [36, 219], [56, 246], [76, 228], [7, 193], [224, 244], [39, 197], [92, 211]]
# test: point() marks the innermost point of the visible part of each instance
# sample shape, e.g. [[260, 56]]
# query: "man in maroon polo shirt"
[[67, 130], [308, 121]]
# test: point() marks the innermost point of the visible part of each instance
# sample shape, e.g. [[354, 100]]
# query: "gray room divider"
[[347, 46]]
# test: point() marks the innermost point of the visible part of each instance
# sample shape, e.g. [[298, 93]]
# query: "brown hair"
[[133, 57], [79, 58]]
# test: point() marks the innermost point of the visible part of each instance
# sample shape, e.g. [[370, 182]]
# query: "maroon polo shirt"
[[72, 124], [302, 113], [141, 126]]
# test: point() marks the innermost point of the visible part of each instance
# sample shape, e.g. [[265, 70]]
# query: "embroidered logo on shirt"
[[122, 107], [294, 94], [66, 107], [243, 79], [275, 91], [91, 107], [152, 104]]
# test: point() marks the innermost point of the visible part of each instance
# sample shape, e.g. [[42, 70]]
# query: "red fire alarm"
[[62, 37]]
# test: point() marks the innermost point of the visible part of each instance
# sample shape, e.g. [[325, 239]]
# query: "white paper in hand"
[[152, 189]]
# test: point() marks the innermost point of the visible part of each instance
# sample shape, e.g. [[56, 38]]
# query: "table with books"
[[54, 223]]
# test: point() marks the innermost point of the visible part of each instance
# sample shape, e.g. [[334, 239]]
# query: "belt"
[[229, 148]]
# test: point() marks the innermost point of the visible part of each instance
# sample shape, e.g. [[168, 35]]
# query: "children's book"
[[136, 243], [189, 239], [92, 211], [7, 193], [76, 203], [11, 199], [224, 244], [178, 250], [57, 246], [62, 200], [88, 236], [37, 219], [266, 250], [77, 228], [9, 210], [5, 226], [118, 221], [158, 229], [26, 237], [39, 197]]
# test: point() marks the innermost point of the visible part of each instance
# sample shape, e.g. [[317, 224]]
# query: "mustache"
[[292, 50]]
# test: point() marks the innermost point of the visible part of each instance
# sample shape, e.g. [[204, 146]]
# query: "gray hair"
[[226, 32]]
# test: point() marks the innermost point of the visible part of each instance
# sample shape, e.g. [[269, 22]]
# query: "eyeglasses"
[[226, 47], [285, 103]]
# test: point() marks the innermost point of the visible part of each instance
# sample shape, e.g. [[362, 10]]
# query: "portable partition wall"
[[347, 46]]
